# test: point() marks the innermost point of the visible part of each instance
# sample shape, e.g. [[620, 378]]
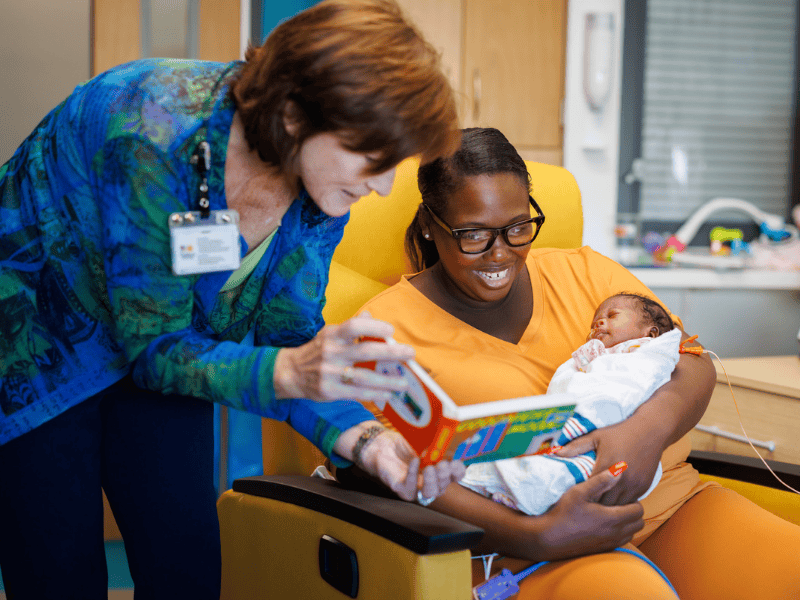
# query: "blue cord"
[[505, 584], [652, 564], [523, 574]]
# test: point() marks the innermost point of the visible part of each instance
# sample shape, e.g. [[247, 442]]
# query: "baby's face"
[[616, 320]]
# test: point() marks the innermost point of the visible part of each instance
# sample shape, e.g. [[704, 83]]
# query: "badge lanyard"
[[204, 240]]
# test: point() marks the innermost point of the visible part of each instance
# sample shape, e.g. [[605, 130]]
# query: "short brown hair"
[[355, 67]]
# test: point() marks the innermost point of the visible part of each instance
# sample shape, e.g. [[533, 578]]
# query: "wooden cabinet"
[[506, 59], [440, 21], [117, 24], [767, 392]]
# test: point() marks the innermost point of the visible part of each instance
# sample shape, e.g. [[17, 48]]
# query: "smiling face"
[[490, 201], [336, 177], [619, 319]]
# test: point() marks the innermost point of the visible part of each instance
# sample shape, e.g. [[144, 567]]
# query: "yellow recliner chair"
[[288, 535], [278, 549]]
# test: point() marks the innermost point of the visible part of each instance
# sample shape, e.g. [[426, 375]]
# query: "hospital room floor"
[[120, 584]]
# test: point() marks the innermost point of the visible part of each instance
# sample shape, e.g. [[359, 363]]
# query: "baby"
[[630, 352]]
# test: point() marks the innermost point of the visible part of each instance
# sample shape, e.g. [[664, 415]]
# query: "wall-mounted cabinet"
[[506, 60]]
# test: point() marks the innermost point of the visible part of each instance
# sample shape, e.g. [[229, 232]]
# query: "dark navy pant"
[[153, 455]]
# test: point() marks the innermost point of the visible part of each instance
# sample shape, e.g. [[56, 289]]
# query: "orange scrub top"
[[472, 366]]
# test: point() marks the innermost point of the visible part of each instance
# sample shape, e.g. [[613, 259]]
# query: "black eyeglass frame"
[[458, 233]]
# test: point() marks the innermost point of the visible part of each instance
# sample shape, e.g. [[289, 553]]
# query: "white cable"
[[487, 563], [741, 424]]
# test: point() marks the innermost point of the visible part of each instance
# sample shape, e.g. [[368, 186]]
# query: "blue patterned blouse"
[[87, 292]]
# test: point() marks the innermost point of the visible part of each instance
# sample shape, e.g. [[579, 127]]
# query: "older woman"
[[165, 236]]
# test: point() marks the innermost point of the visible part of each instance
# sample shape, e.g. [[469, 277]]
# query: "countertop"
[[699, 278], [772, 374]]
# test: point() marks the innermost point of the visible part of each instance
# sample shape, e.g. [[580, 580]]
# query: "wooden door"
[[117, 38], [513, 71], [440, 22]]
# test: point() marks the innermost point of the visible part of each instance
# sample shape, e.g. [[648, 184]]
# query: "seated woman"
[[492, 319]]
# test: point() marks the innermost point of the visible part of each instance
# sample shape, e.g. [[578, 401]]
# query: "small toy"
[[773, 227], [775, 235], [652, 241], [726, 242]]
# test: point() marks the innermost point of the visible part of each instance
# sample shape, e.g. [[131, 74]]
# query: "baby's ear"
[[653, 332]]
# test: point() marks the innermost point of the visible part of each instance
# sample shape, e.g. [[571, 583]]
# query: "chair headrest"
[[373, 239]]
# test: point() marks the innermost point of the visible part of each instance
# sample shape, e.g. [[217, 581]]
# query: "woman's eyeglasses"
[[479, 239]]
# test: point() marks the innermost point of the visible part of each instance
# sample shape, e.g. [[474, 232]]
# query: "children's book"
[[438, 429]]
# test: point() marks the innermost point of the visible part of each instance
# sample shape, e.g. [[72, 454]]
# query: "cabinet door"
[[513, 74], [440, 22], [116, 31]]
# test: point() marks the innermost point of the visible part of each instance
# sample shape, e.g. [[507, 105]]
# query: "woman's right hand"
[[578, 524], [323, 370]]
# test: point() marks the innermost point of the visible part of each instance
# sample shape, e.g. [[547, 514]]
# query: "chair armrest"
[[745, 468], [419, 529]]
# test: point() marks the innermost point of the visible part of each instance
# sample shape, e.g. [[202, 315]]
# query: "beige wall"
[[44, 54]]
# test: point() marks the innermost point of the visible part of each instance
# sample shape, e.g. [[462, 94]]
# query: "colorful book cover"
[[437, 428]]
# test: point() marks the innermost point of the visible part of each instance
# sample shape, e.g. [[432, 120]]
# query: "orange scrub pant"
[[717, 546]]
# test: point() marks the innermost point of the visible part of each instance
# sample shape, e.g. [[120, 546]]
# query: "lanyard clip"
[[202, 161], [202, 157]]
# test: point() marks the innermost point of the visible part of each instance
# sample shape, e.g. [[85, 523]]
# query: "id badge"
[[204, 244]]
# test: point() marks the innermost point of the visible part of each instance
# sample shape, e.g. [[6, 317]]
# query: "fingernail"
[[618, 468], [553, 449]]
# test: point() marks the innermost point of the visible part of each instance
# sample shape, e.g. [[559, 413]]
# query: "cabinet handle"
[[476, 96], [714, 430]]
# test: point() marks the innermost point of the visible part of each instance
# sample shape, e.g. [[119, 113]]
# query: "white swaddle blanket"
[[609, 385]]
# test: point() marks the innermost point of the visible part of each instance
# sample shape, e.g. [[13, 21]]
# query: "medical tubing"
[[652, 564], [741, 424], [699, 350], [525, 572]]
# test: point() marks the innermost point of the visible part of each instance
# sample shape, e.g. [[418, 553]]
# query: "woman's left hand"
[[668, 415], [613, 444], [389, 458]]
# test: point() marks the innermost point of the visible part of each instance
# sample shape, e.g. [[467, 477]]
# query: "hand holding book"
[[438, 429]]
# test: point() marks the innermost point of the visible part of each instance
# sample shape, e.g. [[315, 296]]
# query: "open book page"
[[437, 428]]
